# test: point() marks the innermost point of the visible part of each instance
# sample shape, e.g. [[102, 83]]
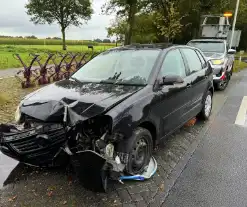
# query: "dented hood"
[[81, 100]]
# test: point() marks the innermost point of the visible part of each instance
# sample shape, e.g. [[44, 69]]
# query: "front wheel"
[[221, 86], [207, 106], [139, 147]]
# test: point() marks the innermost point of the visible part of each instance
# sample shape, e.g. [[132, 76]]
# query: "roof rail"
[[153, 45]]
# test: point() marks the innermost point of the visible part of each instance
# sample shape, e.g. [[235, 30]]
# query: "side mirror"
[[171, 79], [232, 51]]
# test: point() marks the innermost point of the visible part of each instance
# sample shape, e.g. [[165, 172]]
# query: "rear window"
[[208, 46]]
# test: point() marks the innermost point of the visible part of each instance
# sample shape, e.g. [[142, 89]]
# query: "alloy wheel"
[[208, 105]]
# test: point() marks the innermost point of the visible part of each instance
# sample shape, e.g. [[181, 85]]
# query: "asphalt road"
[[202, 183], [216, 174]]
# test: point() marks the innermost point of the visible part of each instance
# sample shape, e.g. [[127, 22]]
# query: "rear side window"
[[193, 60], [204, 63]]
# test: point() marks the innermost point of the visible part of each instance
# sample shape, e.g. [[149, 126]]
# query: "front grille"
[[34, 143]]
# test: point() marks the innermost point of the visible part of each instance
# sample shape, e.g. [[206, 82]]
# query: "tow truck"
[[214, 43]]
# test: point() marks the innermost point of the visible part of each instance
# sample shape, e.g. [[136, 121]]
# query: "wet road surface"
[[216, 175], [27, 186]]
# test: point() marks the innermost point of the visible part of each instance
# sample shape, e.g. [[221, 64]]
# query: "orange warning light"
[[227, 14]]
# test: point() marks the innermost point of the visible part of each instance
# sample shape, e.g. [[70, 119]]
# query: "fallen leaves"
[[12, 199], [162, 187], [50, 191], [191, 122]]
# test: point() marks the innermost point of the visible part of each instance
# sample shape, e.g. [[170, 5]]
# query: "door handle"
[[188, 85]]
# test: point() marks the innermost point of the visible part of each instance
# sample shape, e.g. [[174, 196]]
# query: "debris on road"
[[191, 122]]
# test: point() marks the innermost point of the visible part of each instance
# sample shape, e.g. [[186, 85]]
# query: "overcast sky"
[[15, 22]]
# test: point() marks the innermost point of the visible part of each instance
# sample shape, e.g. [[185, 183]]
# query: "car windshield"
[[119, 67], [217, 47]]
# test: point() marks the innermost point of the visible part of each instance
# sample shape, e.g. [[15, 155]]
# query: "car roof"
[[156, 46], [207, 40]]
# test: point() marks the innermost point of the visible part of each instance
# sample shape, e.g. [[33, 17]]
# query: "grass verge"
[[10, 96], [238, 66]]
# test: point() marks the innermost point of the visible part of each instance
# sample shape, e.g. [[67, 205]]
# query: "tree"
[[98, 40], [106, 41], [64, 12], [166, 17], [169, 26], [56, 38], [118, 29], [144, 30], [31, 37], [124, 8]]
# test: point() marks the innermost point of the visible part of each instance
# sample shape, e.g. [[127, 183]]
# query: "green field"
[[8, 61], [25, 41]]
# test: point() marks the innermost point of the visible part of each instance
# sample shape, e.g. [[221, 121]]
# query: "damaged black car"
[[108, 116]]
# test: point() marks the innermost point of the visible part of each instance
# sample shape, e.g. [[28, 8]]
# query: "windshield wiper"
[[112, 80], [116, 76]]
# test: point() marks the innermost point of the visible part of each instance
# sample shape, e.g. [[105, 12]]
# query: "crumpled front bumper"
[[45, 148], [34, 146], [92, 170]]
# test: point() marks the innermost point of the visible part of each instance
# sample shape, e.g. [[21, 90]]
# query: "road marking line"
[[241, 117]]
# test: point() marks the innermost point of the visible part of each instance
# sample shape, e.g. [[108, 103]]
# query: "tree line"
[[142, 21]]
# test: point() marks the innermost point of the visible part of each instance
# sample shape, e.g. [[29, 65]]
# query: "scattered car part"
[[147, 174]]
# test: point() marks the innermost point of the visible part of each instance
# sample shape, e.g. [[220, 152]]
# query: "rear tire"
[[207, 107]]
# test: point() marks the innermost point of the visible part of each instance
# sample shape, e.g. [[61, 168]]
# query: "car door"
[[197, 76], [174, 99]]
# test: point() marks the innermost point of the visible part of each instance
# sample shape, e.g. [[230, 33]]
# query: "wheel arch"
[[211, 89], [151, 128]]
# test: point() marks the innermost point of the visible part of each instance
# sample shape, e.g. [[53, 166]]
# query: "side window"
[[204, 63], [193, 60], [173, 64]]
